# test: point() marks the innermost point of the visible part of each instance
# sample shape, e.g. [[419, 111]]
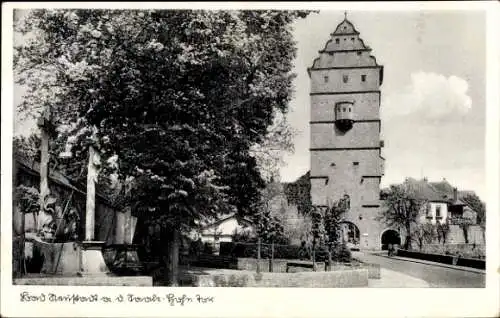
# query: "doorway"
[[390, 237]]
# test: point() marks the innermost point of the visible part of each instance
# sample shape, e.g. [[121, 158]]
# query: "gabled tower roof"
[[345, 40], [345, 28]]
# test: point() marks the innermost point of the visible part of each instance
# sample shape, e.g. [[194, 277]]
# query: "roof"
[[344, 28], [423, 190], [33, 168], [447, 190], [345, 39], [441, 191], [464, 193], [223, 219]]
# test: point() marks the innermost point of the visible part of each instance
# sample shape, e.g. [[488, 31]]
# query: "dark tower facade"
[[345, 132]]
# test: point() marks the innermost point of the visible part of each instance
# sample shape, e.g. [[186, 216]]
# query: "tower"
[[345, 146]]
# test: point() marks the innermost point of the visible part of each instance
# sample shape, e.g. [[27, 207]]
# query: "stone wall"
[[475, 235], [145, 281], [465, 250], [333, 279], [279, 265]]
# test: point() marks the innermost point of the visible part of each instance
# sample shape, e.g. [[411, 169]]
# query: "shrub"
[[341, 253], [287, 251], [321, 254]]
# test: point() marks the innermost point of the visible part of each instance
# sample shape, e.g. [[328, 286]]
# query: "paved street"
[[434, 275]]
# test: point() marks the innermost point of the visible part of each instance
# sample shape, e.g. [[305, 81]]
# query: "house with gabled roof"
[[221, 229], [443, 201]]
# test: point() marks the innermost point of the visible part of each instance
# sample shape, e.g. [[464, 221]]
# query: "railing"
[[460, 221]]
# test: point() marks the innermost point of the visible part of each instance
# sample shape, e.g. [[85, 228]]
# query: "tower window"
[[326, 79], [343, 109], [356, 163], [332, 164], [438, 211], [337, 41], [350, 110], [363, 78], [359, 53], [352, 39], [345, 78]]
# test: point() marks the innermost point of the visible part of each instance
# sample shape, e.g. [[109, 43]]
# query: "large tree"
[[174, 99], [401, 208]]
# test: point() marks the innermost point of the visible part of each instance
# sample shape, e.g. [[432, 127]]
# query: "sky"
[[433, 94]]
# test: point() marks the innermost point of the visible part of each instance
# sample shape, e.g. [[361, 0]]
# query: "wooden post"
[[90, 207]]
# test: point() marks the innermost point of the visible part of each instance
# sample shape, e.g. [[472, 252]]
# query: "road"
[[435, 275]]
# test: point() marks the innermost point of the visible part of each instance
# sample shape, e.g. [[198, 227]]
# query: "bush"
[[321, 254], [287, 251], [341, 253]]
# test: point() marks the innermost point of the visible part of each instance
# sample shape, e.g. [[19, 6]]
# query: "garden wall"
[[475, 234], [465, 250], [279, 265], [333, 279], [445, 259]]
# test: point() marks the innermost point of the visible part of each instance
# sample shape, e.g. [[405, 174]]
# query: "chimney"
[[455, 194], [425, 179]]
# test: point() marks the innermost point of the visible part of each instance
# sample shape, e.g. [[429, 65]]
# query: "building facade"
[[345, 145]]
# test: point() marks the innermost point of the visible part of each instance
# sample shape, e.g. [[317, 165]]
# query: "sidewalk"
[[416, 260], [392, 279]]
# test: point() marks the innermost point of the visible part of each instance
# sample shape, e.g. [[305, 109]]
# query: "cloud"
[[430, 96]]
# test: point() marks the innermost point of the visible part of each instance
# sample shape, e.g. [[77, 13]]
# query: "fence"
[[278, 251]]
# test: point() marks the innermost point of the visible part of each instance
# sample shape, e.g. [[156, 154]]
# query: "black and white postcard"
[[250, 159]]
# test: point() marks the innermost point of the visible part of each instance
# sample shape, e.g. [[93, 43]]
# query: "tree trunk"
[[408, 236], [173, 258], [258, 254], [314, 255], [466, 234], [272, 258], [329, 266]]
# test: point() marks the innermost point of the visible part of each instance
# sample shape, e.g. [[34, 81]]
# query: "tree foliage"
[[27, 148], [173, 99], [268, 223], [442, 231], [475, 203], [401, 209], [424, 233]]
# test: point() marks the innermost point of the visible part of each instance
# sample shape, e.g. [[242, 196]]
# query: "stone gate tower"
[[345, 132]]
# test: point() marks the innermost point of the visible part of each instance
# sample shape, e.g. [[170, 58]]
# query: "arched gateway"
[[390, 236]]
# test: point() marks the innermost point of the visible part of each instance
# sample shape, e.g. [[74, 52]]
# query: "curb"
[[460, 268]]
